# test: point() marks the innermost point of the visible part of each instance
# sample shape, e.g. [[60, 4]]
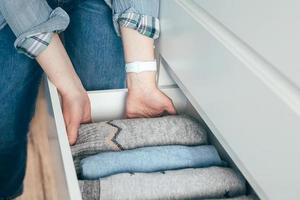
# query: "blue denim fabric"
[[149, 159], [97, 54], [94, 47], [19, 80]]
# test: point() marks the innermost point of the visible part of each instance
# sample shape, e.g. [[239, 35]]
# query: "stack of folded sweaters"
[[159, 158]]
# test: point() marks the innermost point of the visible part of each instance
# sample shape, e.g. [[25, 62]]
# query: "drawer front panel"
[[270, 27], [62, 161]]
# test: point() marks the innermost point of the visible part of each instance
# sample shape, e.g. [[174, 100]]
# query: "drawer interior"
[[110, 104], [106, 105]]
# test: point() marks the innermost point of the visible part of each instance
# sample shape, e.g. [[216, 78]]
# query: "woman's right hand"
[[76, 110], [75, 102]]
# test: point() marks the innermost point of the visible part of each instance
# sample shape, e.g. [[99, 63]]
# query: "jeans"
[[97, 54]]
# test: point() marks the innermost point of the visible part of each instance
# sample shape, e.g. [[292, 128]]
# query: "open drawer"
[[106, 105]]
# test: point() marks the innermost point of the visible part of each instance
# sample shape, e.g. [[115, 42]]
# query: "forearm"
[[137, 22], [138, 47], [58, 67], [75, 102]]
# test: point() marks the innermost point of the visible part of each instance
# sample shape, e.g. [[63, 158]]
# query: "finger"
[[130, 115], [141, 112], [170, 108], [87, 117], [72, 130], [136, 115], [157, 113]]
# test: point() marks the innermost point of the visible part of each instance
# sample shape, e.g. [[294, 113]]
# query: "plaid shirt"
[[35, 44], [145, 25]]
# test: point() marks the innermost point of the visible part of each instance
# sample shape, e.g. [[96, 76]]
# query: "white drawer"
[[252, 109], [61, 158], [106, 105]]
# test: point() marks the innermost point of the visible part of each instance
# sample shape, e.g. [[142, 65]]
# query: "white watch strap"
[[137, 67]]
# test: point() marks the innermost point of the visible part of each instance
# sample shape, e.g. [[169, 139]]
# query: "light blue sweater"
[[149, 159]]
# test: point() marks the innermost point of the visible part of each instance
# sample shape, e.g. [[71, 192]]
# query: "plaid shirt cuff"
[[35, 44], [144, 24]]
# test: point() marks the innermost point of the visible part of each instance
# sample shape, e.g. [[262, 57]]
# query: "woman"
[[92, 44]]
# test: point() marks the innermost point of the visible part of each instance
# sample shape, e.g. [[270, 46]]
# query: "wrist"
[[141, 81], [71, 88], [57, 65], [141, 66]]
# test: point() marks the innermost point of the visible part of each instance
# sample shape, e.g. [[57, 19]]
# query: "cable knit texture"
[[202, 183], [118, 135]]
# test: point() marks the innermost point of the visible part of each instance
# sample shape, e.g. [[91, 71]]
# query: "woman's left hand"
[[144, 98]]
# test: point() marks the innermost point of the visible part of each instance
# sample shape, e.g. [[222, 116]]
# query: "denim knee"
[[13, 142], [94, 48], [15, 118], [12, 172], [17, 109], [19, 82]]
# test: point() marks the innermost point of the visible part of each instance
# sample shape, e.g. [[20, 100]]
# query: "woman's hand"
[[144, 98], [76, 105], [76, 110]]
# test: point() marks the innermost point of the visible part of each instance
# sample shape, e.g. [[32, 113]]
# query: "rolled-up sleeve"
[[2, 21], [140, 15], [33, 22]]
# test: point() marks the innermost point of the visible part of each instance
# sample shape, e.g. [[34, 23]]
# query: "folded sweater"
[[124, 134], [201, 183], [149, 159], [243, 197]]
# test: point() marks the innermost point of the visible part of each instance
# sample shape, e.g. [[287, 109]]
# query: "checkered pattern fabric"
[[35, 44], [144, 24]]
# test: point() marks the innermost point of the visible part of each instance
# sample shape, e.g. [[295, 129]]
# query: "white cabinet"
[[269, 27], [223, 56]]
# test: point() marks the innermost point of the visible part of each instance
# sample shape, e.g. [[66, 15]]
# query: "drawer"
[[250, 106], [106, 105]]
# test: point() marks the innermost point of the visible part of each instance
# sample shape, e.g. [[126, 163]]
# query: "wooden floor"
[[39, 181]]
